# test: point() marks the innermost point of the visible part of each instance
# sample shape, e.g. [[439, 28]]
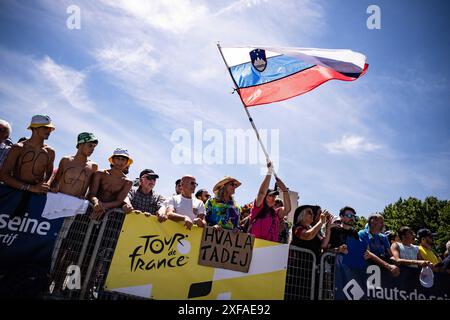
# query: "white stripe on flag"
[[238, 55]]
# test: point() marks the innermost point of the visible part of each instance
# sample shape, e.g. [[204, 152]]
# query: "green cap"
[[86, 137]]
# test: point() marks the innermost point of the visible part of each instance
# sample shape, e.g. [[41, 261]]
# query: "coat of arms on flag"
[[259, 61]]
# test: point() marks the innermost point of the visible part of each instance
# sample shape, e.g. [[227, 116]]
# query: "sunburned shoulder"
[[101, 174], [17, 147], [92, 163], [66, 159], [94, 166], [48, 148]]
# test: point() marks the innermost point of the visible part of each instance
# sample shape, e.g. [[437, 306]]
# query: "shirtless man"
[[29, 164], [75, 173], [109, 188]]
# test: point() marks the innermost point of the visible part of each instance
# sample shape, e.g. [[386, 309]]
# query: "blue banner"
[[26, 238], [375, 283]]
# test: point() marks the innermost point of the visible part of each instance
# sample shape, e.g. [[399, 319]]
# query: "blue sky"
[[137, 71]]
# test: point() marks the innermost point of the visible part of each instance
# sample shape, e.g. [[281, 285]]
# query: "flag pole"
[[247, 112]]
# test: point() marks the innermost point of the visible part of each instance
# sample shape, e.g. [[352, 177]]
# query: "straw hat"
[[219, 185]]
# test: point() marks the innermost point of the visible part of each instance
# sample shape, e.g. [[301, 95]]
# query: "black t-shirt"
[[314, 244], [339, 236]]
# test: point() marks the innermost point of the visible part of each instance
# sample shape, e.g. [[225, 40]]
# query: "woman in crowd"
[[308, 221], [264, 218], [221, 210]]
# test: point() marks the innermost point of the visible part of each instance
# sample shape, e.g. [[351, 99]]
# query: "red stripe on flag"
[[291, 86]]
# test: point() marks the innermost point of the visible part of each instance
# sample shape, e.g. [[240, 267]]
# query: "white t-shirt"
[[192, 208]]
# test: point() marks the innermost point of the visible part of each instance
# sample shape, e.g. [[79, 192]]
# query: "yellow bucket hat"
[[40, 120], [122, 153]]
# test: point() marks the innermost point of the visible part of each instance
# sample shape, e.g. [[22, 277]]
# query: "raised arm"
[[264, 186], [326, 238], [311, 233], [286, 199]]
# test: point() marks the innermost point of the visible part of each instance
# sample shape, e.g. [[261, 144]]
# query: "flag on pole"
[[265, 75]]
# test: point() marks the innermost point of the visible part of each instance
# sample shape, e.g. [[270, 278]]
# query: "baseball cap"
[[148, 172], [422, 233], [272, 192]]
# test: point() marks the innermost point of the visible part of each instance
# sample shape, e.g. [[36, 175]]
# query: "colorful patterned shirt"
[[223, 214]]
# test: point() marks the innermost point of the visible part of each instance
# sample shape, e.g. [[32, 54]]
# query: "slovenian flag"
[[265, 75]]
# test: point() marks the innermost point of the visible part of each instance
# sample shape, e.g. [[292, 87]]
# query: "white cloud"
[[68, 83], [351, 144], [128, 62], [176, 16], [241, 5]]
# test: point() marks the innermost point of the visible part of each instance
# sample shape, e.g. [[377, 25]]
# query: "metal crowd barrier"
[[89, 245], [300, 274], [327, 276]]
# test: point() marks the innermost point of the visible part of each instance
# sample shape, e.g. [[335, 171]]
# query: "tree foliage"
[[431, 213]]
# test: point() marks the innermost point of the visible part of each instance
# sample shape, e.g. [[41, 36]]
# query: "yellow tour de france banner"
[[160, 261]]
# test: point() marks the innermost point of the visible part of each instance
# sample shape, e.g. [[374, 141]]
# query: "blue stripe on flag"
[[277, 67]]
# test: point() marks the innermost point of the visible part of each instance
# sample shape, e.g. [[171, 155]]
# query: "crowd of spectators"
[[266, 217]]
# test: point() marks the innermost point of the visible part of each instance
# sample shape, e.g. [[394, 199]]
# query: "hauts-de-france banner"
[[160, 261], [372, 282]]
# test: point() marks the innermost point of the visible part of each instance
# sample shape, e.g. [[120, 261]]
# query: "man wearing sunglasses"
[[144, 199], [185, 207], [342, 231]]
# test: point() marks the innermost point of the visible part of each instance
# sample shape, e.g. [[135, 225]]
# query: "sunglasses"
[[350, 216]]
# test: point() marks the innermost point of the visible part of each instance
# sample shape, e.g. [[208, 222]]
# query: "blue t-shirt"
[[378, 244]]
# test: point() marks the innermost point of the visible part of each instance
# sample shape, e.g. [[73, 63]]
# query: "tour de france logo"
[[160, 252]]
